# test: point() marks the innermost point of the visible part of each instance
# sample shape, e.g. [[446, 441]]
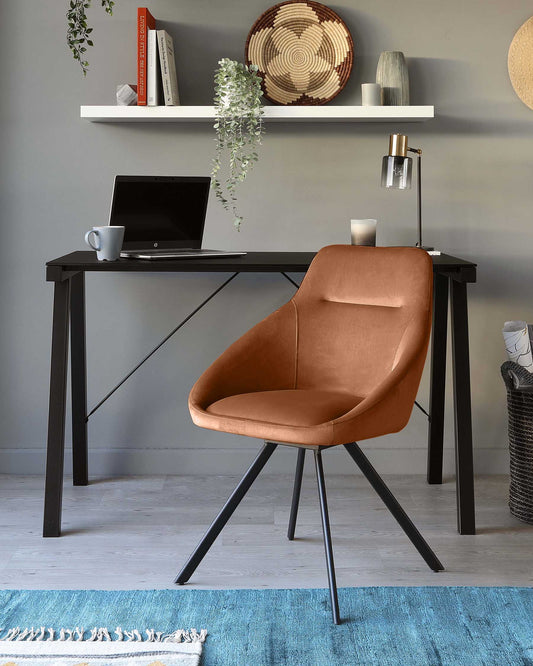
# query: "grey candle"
[[363, 232], [371, 94]]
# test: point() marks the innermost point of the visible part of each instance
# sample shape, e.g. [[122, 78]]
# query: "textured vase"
[[393, 76]]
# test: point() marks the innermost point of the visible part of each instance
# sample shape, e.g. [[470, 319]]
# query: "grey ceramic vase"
[[393, 76]]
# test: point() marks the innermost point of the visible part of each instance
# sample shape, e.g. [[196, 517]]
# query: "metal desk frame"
[[451, 276]]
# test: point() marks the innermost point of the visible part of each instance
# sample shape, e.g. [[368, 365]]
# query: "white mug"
[[107, 242], [363, 232]]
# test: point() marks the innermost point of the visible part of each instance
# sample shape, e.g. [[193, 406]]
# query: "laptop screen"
[[160, 211]]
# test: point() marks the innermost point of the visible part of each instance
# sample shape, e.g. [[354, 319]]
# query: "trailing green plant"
[[78, 31], [239, 128]]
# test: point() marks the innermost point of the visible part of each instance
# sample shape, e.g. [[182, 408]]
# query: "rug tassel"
[[99, 634], [34, 633], [181, 636], [12, 634]]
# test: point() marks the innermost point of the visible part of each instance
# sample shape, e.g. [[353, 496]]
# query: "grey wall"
[[57, 173]]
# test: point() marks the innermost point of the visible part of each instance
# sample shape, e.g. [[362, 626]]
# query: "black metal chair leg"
[[226, 513], [327, 536], [296, 493], [394, 507]]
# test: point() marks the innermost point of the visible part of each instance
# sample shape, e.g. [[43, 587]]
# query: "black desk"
[[451, 276]]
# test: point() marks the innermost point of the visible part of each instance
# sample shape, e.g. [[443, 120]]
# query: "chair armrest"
[[388, 407], [263, 359]]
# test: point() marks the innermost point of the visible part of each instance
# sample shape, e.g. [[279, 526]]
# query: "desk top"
[[252, 262]]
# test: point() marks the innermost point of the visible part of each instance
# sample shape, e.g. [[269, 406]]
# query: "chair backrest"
[[358, 310]]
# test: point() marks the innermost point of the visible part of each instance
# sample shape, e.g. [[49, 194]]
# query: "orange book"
[[145, 22]]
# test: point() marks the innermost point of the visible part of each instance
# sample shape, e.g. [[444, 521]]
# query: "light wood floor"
[[137, 532]]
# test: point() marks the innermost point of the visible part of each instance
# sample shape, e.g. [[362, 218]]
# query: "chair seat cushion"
[[279, 415]]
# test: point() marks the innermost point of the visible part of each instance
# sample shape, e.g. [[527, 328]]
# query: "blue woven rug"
[[423, 626]]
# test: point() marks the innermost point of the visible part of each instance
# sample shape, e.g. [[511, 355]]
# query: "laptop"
[[163, 216]]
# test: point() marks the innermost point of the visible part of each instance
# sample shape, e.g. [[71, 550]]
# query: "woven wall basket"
[[303, 50], [520, 63]]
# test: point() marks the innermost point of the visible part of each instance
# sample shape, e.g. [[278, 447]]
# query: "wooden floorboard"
[[136, 532]]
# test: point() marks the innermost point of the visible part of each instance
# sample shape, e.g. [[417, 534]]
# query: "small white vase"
[[393, 76]]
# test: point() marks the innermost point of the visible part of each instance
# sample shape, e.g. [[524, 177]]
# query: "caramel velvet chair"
[[339, 363]]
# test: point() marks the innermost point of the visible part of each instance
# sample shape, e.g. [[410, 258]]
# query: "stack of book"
[[157, 83]]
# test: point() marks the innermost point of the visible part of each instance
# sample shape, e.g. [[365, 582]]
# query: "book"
[[153, 77], [145, 22], [168, 68]]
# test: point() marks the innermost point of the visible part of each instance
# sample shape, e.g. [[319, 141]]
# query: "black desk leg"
[[78, 369], [56, 412], [438, 378], [464, 463]]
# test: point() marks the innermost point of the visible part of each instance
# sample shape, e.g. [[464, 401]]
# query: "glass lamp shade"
[[396, 172]]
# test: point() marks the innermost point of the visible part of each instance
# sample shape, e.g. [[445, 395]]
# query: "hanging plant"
[[239, 128], [78, 32]]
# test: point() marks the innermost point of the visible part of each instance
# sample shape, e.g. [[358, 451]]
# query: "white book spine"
[[168, 68], [152, 69], [163, 60]]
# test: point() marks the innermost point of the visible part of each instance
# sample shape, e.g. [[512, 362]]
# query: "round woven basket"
[[520, 62], [303, 50], [520, 415]]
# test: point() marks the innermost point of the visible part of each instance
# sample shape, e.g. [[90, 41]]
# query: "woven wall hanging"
[[520, 62], [303, 50]]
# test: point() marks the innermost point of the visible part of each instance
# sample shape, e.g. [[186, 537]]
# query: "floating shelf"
[[193, 114]]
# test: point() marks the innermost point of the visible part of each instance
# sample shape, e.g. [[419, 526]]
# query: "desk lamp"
[[396, 173]]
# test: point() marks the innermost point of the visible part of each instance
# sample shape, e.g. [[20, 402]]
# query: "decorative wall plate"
[[303, 50], [520, 62]]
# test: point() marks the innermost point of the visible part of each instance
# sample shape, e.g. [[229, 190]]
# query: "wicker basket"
[[520, 409], [304, 52]]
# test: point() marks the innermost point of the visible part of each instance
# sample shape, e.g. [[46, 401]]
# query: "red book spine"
[[145, 21]]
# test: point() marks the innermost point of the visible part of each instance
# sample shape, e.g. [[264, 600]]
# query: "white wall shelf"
[[193, 114]]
